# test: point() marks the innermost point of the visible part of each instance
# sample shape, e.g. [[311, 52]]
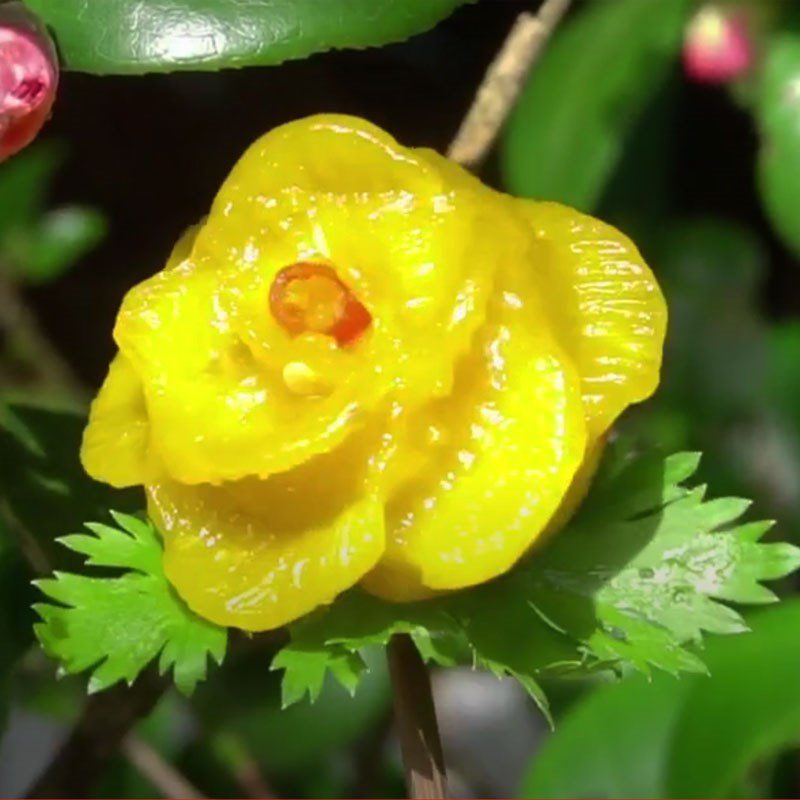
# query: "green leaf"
[[569, 129], [305, 669], [694, 737], [748, 711], [714, 363], [137, 36], [117, 626], [23, 183], [620, 735], [778, 116], [635, 579], [644, 582], [38, 246], [784, 374], [330, 641], [44, 250]]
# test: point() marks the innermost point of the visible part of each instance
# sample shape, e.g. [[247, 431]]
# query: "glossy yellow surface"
[[427, 455]]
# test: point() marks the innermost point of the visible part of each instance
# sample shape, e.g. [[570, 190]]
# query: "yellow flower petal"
[[257, 554], [398, 229], [216, 414], [218, 370], [502, 453], [115, 442], [607, 308]]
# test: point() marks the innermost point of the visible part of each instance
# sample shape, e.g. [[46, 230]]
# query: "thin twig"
[[241, 763], [415, 714], [504, 81], [24, 333], [159, 772], [29, 546], [250, 777]]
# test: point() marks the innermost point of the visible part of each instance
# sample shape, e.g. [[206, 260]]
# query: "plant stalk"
[[22, 329], [504, 81], [415, 716]]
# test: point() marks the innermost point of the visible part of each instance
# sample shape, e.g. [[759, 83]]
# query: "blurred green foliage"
[[778, 116], [38, 244], [696, 736], [570, 129]]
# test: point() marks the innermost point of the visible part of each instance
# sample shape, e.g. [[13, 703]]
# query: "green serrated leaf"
[[528, 683], [116, 626], [634, 580], [130, 546], [137, 36], [650, 583], [305, 668], [329, 639]]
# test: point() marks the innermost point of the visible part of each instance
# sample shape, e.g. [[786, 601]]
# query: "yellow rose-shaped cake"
[[364, 366]]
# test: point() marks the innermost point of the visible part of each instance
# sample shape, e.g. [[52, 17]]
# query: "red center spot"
[[310, 298]]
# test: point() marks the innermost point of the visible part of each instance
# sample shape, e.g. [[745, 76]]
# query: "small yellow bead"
[[301, 379]]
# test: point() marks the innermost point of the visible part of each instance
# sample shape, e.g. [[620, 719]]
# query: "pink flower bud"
[[717, 48], [28, 77]]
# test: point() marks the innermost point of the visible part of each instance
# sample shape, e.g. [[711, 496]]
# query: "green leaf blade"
[[569, 128], [139, 36], [131, 546], [778, 117], [116, 626]]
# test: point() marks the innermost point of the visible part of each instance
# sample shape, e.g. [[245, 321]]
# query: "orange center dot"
[[310, 298]]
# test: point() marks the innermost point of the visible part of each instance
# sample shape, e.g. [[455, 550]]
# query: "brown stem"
[[504, 81], [106, 721], [29, 546], [249, 776], [415, 714], [159, 772], [244, 768]]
